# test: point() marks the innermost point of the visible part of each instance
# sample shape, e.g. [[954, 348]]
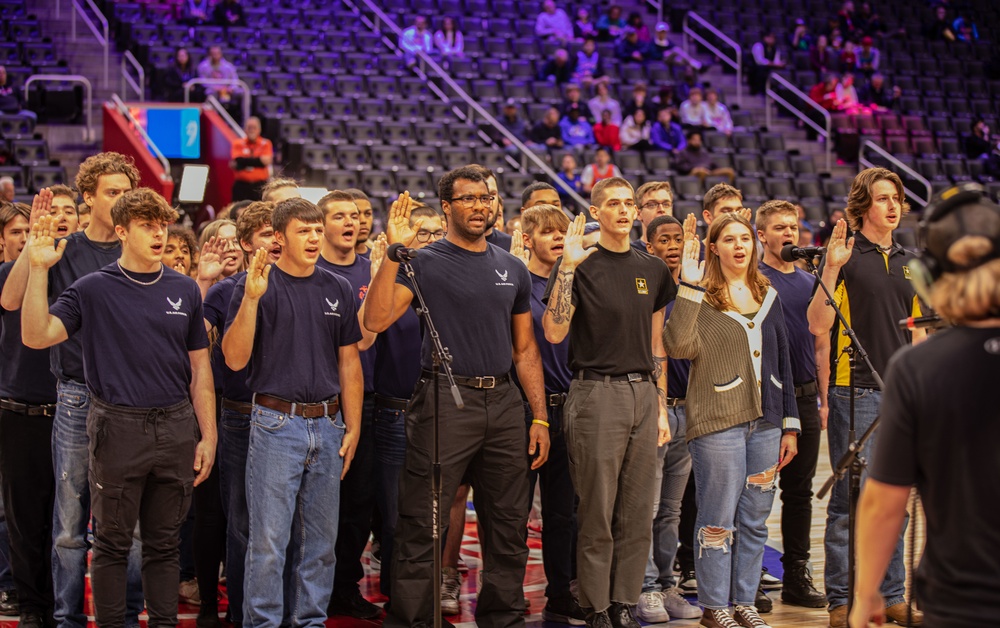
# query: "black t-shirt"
[[397, 357], [615, 295], [359, 275], [499, 238], [795, 290], [471, 297], [82, 257], [24, 372], [233, 384], [301, 324], [940, 429], [135, 338]]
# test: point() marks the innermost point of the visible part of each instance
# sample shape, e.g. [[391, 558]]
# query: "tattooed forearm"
[[659, 366], [663, 397], [559, 307]]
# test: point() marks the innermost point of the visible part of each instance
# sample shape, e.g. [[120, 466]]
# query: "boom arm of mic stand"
[[853, 452]]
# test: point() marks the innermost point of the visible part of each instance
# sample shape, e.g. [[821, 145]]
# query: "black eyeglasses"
[[470, 200], [426, 236]]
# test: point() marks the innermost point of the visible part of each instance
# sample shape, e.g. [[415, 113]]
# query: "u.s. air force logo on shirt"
[[175, 307], [640, 285], [503, 278], [334, 305]]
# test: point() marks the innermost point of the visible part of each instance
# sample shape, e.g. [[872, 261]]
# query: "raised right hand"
[[41, 205], [692, 270], [210, 262], [690, 227], [43, 252], [839, 248], [257, 275], [398, 227], [573, 251]]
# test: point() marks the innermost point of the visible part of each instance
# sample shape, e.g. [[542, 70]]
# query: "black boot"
[[621, 616], [762, 602], [799, 589]]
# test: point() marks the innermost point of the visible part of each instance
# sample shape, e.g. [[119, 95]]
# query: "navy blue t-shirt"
[[82, 257], [500, 239], [135, 338], [397, 357], [233, 384], [795, 289], [301, 324], [471, 296], [555, 357], [678, 370], [359, 275], [24, 372]]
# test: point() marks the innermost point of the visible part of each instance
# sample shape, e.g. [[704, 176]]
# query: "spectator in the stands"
[[660, 47], [845, 18], [229, 13], [682, 90], [848, 56], [766, 58], [611, 25], [825, 93], [547, 133], [10, 97], [635, 131], [576, 131], [868, 57], [717, 114], [870, 23], [629, 49], [215, 66], [604, 102], [559, 69], [448, 40], [992, 162], [416, 39], [847, 94], [584, 27], [877, 95], [821, 58], [800, 38], [939, 28], [665, 97], [515, 124], [979, 144], [573, 100], [965, 29], [251, 160], [607, 133], [589, 66], [553, 24], [639, 100], [694, 160], [196, 12], [666, 134], [7, 190], [173, 78], [570, 173], [641, 30], [601, 169], [692, 111]]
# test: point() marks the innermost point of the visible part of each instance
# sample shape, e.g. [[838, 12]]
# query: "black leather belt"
[[28, 409], [390, 403], [489, 381], [555, 399], [809, 388], [237, 406], [304, 410], [627, 377], [675, 402]]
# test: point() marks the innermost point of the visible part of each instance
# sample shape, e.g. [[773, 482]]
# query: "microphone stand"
[[852, 462], [441, 360]]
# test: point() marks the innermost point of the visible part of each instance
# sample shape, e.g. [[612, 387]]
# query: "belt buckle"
[[486, 382], [555, 399], [634, 377]]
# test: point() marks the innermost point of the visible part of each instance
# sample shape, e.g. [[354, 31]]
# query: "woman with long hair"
[[742, 417]]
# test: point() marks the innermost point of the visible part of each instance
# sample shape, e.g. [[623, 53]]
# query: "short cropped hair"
[[276, 184], [532, 188], [424, 211], [64, 190], [252, 219], [773, 208], [102, 164], [336, 196], [718, 192], [141, 204], [294, 208], [541, 217], [446, 186], [859, 199], [651, 186], [597, 194], [10, 211], [657, 222], [357, 194]]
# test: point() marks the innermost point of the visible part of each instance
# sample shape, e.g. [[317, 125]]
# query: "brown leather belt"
[[304, 410], [28, 409], [390, 403], [237, 406], [675, 402], [555, 399]]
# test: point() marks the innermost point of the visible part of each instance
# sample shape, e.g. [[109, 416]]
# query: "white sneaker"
[[677, 607], [650, 608], [451, 587]]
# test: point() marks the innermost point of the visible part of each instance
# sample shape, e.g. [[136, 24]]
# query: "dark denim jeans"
[[390, 454], [234, 440]]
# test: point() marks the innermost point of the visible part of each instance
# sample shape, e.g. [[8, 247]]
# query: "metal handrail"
[[127, 81], [734, 61], [88, 99], [658, 5], [428, 61], [916, 176], [102, 38], [826, 132], [213, 103], [123, 109], [223, 82]]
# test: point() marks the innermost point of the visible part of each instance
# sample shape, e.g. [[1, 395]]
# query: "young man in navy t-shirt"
[[102, 178], [480, 299], [149, 378], [342, 226], [296, 327]]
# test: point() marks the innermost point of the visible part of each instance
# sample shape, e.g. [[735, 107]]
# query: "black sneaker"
[[769, 582], [9, 606], [688, 582], [762, 602], [208, 618], [598, 620], [31, 620], [352, 605], [621, 616], [564, 610]]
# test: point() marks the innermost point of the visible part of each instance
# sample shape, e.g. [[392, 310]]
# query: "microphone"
[[399, 253], [790, 252], [919, 322]]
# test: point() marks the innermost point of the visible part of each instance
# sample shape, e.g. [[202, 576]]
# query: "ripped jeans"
[[735, 474]]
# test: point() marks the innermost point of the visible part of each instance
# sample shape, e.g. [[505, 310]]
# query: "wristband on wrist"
[[540, 422]]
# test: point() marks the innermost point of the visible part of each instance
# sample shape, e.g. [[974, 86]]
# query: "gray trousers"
[[611, 436]]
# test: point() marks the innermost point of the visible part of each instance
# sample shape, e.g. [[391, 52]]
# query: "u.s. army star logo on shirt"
[[640, 286]]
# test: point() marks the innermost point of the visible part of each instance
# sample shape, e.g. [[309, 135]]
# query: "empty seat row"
[[31, 179], [367, 133]]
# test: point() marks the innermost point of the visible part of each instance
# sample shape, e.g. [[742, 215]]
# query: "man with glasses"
[[654, 198], [480, 298]]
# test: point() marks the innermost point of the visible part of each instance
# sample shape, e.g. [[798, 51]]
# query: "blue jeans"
[[293, 466], [866, 405], [390, 454], [6, 577], [234, 440], [71, 514], [735, 474], [673, 472]]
